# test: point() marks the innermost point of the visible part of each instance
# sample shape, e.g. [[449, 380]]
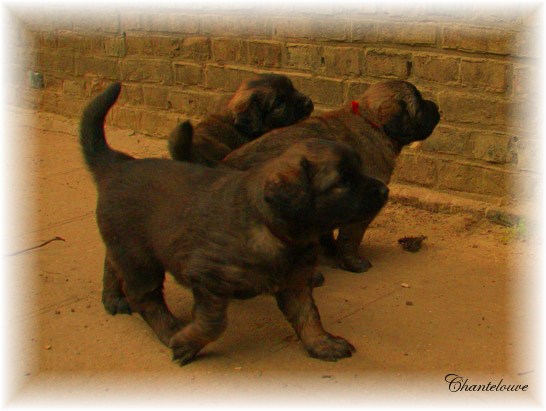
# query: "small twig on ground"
[[37, 246]]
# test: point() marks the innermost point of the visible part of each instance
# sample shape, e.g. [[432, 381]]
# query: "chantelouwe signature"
[[457, 383]]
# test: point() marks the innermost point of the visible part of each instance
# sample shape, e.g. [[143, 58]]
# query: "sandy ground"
[[458, 306]]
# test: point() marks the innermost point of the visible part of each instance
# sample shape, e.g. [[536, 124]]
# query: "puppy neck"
[[374, 123], [355, 109]]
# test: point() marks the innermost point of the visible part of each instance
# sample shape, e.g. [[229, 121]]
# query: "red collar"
[[279, 236], [355, 107]]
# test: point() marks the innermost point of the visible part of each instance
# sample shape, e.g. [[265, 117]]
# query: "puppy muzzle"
[[375, 195]]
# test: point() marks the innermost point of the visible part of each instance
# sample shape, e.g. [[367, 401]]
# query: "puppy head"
[[401, 110], [319, 183], [266, 102]]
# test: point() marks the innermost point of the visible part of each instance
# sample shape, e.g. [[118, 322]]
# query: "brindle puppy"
[[260, 104], [390, 115], [224, 233]]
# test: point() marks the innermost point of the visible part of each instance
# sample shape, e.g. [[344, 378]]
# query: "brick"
[[157, 46], [125, 117], [485, 75], [90, 43], [265, 53], [131, 94], [95, 85], [108, 67], [229, 50], [59, 62], [197, 103], [342, 61], [469, 108], [449, 140], [436, 68], [53, 82], [246, 26], [364, 31], [492, 147], [115, 47], [415, 34], [139, 45], [74, 87], [155, 96], [147, 70], [165, 46], [195, 48], [414, 169], [225, 78], [478, 40], [188, 74], [47, 39], [322, 90], [303, 57], [158, 123], [318, 28], [388, 64], [67, 106], [472, 179]]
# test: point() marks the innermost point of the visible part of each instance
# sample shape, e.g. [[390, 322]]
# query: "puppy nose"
[[308, 105], [382, 191]]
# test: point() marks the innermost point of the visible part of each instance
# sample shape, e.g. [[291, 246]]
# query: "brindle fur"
[[260, 104], [223, 233], [391, 115]]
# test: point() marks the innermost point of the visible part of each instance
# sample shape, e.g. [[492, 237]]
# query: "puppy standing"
[[223, 233], [260, 104], [390, 115]]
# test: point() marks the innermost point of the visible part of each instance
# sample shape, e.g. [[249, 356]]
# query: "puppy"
[[223, 233], [261, 104], [390, 115]]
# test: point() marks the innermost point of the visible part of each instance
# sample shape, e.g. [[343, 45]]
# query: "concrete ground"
[[461, 305]]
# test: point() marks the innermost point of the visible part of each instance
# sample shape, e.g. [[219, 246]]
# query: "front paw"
[[184, 351], [317, 280], [353, 263], [330, 348]]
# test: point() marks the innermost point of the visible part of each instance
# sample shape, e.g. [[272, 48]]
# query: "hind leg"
[[146, 298], [138, 281], [113, 298], [209, 320]]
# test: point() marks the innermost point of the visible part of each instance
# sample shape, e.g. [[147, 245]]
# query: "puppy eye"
[[343, 182], [279, 102]]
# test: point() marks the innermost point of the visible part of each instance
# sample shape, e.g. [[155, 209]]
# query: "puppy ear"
[[247, 115], [289, 192], [402, 125]]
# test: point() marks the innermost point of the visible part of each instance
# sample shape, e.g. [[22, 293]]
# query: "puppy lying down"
[[223, 233]]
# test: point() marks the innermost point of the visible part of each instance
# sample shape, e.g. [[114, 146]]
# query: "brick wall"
[[179, 64]]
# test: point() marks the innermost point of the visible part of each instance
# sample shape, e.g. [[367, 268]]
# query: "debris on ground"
[[412, 244]]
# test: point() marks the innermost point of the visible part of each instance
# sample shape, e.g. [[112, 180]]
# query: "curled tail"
[[181, 142], [96, 151]]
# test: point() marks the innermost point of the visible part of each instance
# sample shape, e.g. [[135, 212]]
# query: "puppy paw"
[[330, 348], [116, 305], [317, 280], [354, 264], [184, 351]]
